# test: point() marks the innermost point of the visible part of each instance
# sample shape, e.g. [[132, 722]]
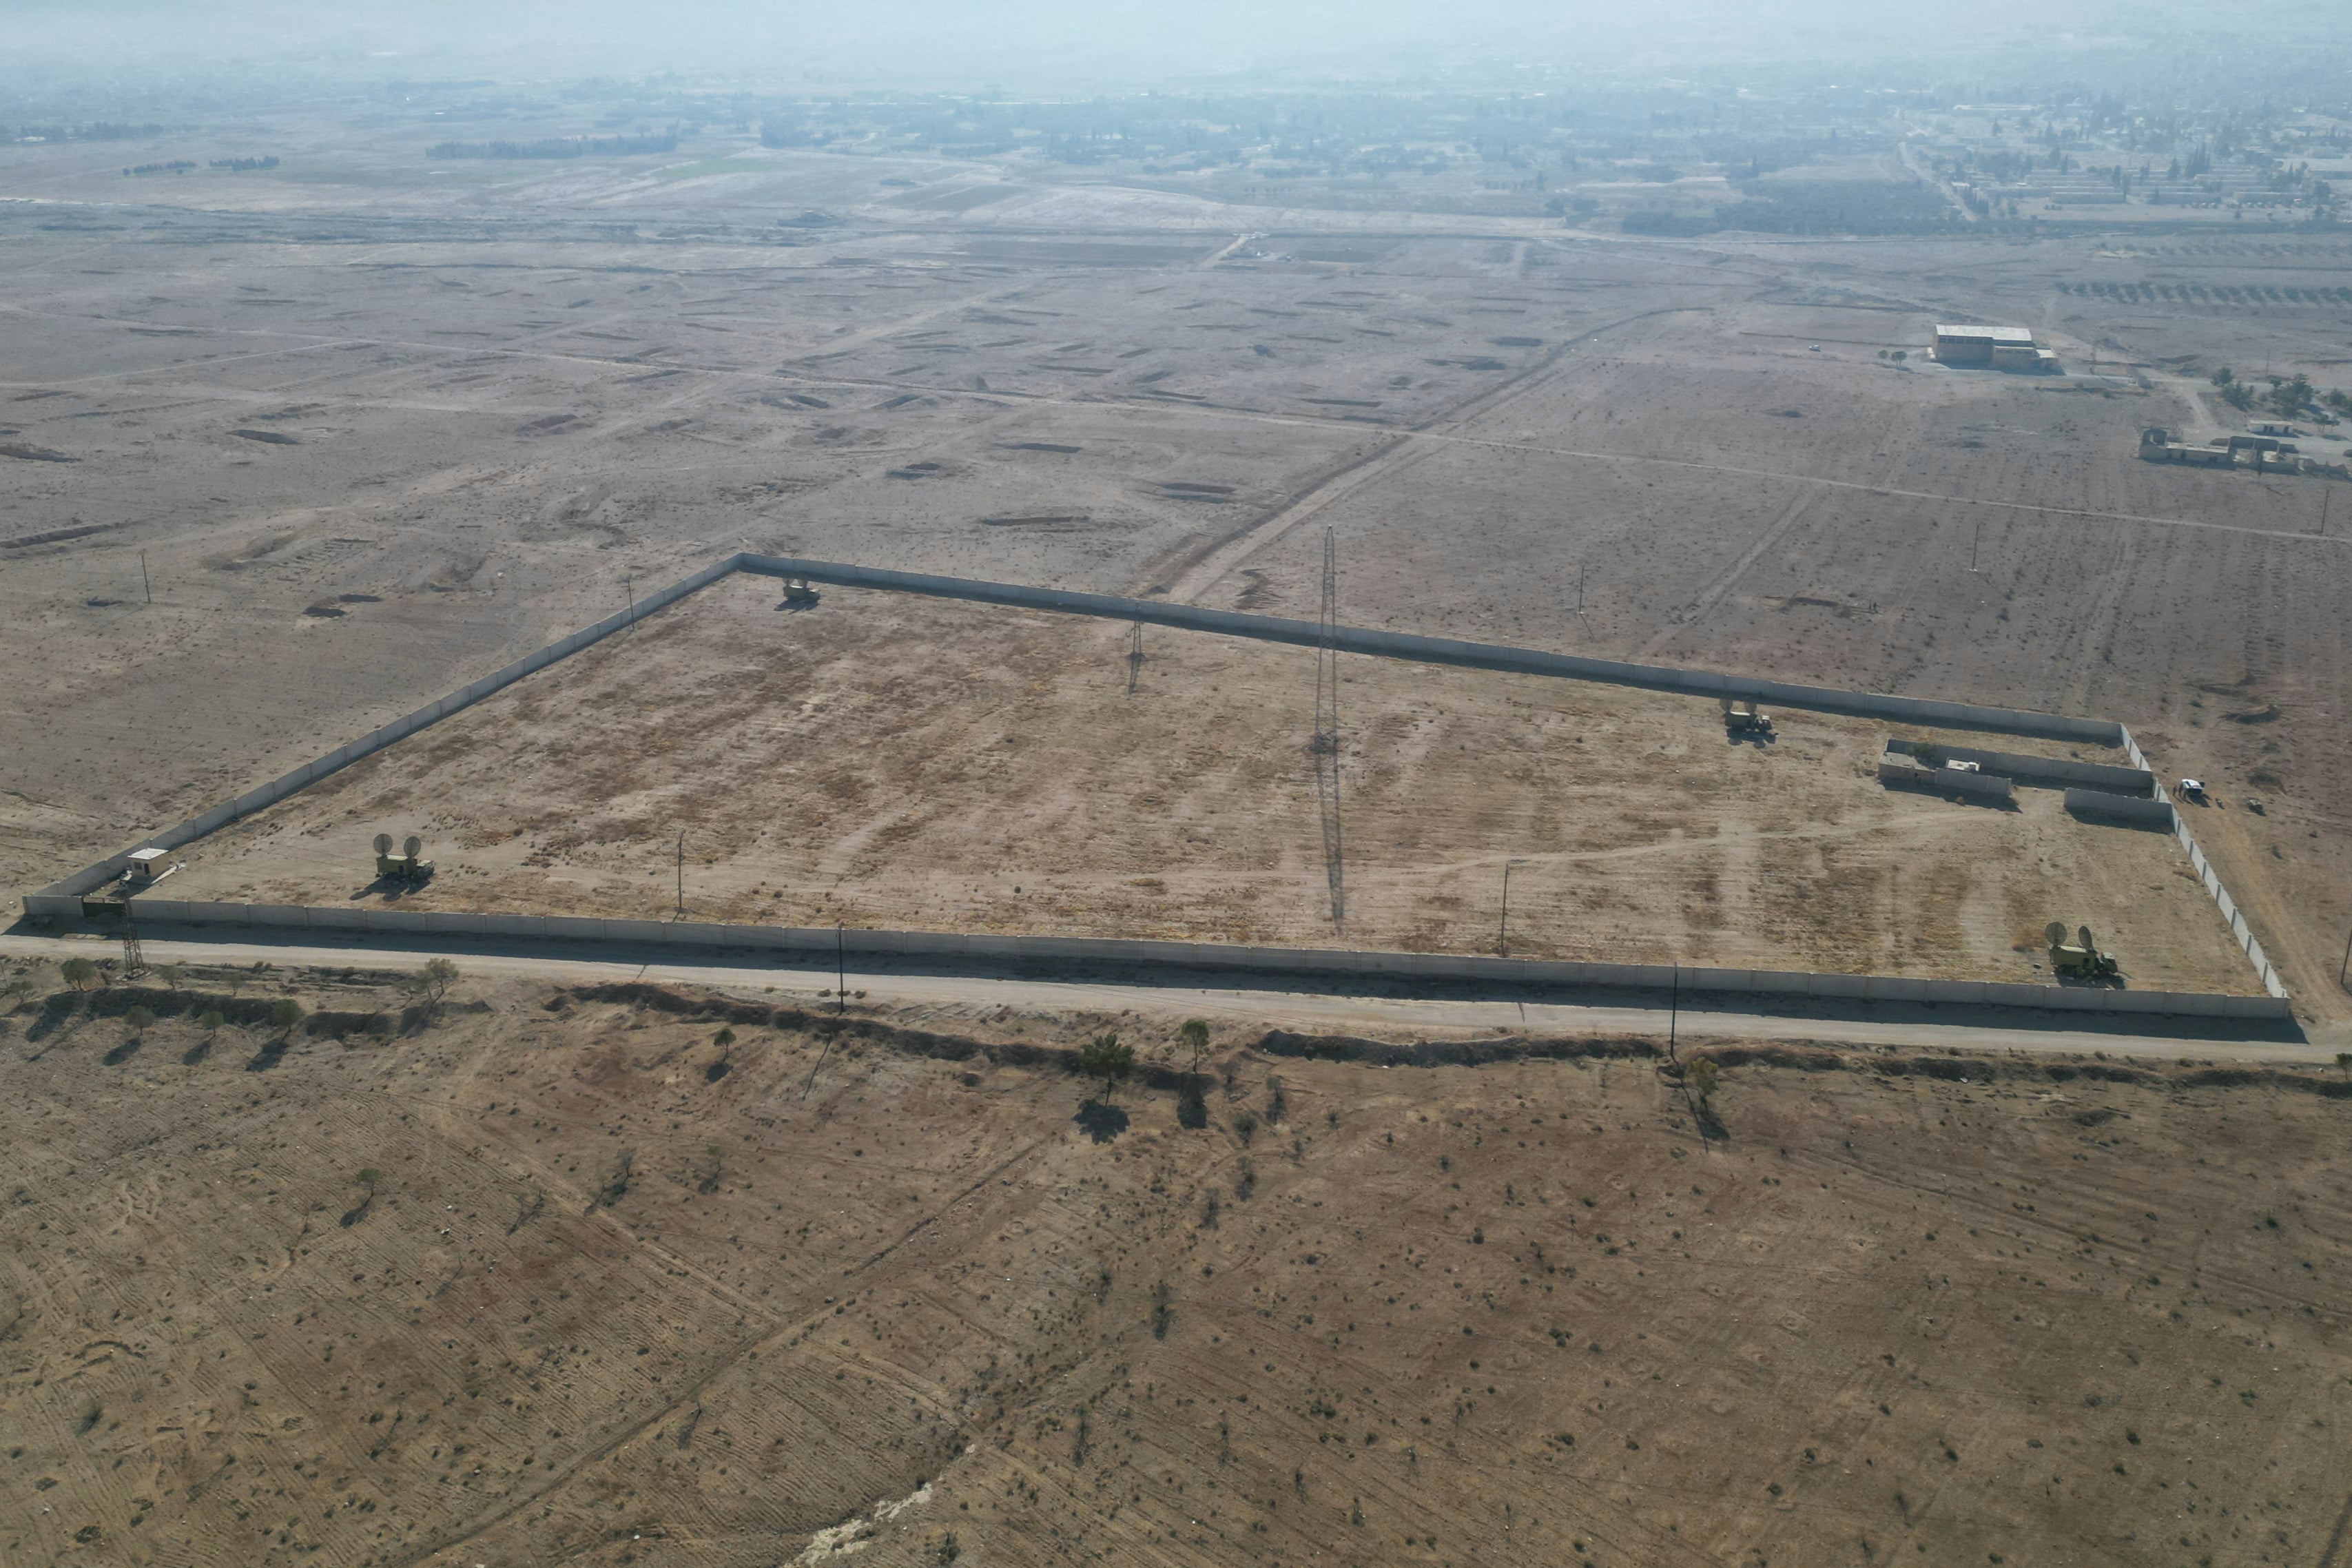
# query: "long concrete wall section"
[[2132, 808], [376, 740], [2050, 770], [61, 899], [819, 945], [1991, 787], [2239, 928], [1448, 650]]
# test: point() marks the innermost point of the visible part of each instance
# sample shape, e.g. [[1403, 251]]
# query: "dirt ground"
[[475, 457], [568, 1275], [887, 761], [287, 453]]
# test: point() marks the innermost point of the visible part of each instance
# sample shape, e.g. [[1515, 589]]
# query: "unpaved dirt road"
[[1235, 1006]]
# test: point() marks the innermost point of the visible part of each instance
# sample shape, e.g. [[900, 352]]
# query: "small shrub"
[[433, 981], [1195, 1036], [1106, 1057], [213, 1018], [1700, 1076], [1244, 1127]]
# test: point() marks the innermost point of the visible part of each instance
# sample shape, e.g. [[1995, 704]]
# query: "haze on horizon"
[[130, 47]]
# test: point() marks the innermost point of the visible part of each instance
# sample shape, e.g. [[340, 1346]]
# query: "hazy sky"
[[1051, 45]]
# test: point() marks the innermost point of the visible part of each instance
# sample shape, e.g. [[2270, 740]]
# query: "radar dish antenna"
[[2084, 932], [2056, 933], [413, 847], [383, 843], [1727, 705]]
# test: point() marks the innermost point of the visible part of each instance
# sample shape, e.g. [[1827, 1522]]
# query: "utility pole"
[[630, 585], [1674, 1015], [681, 876], [1502, 933], [1974, 541], [2324, 497], [2346, 964], [143, 583], [1135, 650], [840, 967], [1579, 586], [1324, 746]]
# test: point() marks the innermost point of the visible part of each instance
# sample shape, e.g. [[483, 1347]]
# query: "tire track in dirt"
[[1197, 571], [691, 1393], [1728, 578], [928, 1220], [2072, 1237], [2335, 1536]]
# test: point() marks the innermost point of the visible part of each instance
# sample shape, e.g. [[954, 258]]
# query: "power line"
[[1325, 747]]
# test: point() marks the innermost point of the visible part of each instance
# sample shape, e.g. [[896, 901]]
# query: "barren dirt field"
[[352, 481], [887, 760], [565, 1275], [350, 385]]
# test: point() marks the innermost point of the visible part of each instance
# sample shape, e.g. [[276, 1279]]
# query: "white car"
[[2193, 789], [1958, 766]]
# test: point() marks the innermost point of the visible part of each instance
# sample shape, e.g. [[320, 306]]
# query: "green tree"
[[138, 1019], [79, 972], [2222, 377], [1700, 1076], [284, 1014], [1106, 1057], [2344, 1061], [213, 1019], [1195, 1033], [434, 982]]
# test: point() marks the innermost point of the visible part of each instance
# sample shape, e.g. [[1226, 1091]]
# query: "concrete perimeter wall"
[[376, 740], [62, 899], [2239, 928], [1989, 787], [1449, 650], [2130, 809], [819, 945], [2054, 770]]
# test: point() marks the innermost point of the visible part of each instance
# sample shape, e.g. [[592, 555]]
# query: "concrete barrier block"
[[2139, 810], [529, 927]]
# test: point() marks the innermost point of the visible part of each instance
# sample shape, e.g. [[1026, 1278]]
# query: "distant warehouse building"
[[1992, 348]]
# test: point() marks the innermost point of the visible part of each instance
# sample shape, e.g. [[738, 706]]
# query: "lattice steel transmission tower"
[[134, 957], [1325, 747]]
